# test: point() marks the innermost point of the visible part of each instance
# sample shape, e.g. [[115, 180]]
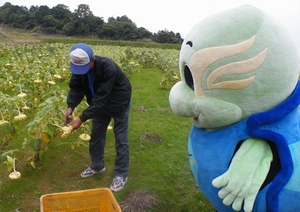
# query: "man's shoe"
[[90, 172], [118, 183]]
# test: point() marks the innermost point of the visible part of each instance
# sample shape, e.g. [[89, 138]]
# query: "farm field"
[[34, 84]]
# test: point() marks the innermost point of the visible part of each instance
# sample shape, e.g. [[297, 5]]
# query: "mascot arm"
[[247, 172]]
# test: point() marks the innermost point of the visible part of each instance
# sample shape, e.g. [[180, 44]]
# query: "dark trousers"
[[98, 139]]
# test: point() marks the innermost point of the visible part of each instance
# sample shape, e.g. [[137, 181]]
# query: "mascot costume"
[[240, 83]]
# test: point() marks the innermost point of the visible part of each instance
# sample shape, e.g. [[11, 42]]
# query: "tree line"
[[82, 22]]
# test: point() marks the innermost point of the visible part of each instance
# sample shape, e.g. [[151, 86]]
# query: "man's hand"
[[246, 173], [67, 116], [76, 123]]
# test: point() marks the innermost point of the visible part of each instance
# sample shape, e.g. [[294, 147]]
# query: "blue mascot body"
[[279, 126]]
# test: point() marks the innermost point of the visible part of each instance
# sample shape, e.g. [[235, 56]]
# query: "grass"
[[159, 166], [150, 44], [12, 36]]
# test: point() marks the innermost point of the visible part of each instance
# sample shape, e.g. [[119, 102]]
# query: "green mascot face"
[[231, 70]]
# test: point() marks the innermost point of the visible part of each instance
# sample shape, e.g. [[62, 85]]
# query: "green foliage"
[[81, 22], [165, 36]]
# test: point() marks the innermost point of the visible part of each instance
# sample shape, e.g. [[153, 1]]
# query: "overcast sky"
[[176, 15]]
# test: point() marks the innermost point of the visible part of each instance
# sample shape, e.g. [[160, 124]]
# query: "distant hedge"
[[108, 42]]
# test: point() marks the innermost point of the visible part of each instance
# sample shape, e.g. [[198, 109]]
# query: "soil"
[[151, 138], [139, 201]]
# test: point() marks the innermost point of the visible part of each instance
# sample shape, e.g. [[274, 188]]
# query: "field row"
[[34, 82], [32, 71]]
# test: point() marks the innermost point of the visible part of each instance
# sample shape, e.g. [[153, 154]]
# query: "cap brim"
[[79, 70]]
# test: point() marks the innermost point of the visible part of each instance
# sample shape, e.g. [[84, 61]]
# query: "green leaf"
[[9, 159], [49, 129], [35, 143], [24, 144], [87, 127], [49, 101], [9, 165], [3, 157]]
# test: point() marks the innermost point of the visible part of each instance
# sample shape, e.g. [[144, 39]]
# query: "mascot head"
[[232, 65]]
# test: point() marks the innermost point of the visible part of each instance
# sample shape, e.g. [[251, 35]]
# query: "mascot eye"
[[188, 77], [189, 43]]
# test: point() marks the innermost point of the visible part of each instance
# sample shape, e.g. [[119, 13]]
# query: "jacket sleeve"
[[76, 92], [102, 93]]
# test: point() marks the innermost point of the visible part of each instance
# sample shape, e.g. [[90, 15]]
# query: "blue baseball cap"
[[81, 55]]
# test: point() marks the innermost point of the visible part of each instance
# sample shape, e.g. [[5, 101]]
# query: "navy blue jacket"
[[112, 90]]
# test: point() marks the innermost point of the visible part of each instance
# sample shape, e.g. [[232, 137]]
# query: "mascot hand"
[[247, 172]]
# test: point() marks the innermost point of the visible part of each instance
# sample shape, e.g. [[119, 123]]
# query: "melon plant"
[[30, 78]]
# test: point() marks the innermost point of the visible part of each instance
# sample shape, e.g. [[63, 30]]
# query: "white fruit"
[[85, 137]]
